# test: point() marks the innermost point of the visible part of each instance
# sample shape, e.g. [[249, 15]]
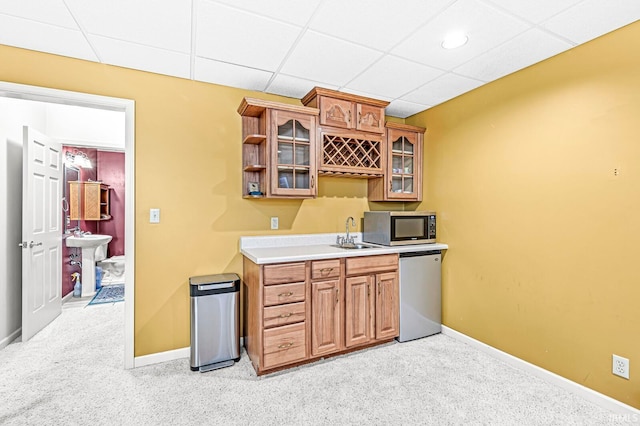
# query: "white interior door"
[[41, 232]]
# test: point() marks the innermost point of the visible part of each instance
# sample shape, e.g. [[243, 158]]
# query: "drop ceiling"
[[383, 49]]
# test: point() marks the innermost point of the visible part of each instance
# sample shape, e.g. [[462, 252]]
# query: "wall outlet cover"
[[620, 366], [274, 223], [154, 216]]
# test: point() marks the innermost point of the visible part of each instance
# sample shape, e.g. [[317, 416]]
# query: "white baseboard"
[[66, 298], [141, 361], [590, 395], [10, 338]]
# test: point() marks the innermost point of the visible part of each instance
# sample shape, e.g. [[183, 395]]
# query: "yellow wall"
[[544, 258], [543, 237], [188, 159]]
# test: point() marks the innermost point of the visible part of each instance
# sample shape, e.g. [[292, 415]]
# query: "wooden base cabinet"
[[372, 308], [359, 312], [298, 312], [326, 318]]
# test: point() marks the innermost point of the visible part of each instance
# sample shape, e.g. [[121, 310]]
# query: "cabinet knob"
[[285, 345], [287, 294], [287, 315]]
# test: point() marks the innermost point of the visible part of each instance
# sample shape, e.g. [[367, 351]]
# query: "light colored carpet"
[[72, 373]]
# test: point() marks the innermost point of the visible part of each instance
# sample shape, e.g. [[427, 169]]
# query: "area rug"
[[109, 294]]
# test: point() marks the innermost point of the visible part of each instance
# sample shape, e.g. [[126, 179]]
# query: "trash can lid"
[[213, 279]]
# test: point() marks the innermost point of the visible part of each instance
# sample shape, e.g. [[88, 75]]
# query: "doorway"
[[54, 96]]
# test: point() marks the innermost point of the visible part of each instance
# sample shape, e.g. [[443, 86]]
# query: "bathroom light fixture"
[[78, 158], [454, 40]]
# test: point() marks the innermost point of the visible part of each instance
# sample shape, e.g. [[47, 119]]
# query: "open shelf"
[[255, 168], [254, 139]]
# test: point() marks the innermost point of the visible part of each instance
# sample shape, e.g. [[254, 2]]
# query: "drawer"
[[284, 273], [283, 345], [325, 269], [284, 293], [284, 314], [371, 264]]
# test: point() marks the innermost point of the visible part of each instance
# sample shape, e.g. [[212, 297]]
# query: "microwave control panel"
[[431, 228]]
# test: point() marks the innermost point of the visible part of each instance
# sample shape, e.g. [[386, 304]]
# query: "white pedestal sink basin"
[[88, 243]]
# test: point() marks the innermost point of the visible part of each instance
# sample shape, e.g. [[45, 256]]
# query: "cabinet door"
[[336, 112], [325, 317], [75, 198], [370, 118], [387, 305], [404, 169], [359, 308], [293, 154]]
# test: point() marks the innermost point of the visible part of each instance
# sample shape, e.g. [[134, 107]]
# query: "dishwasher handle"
[[420, 253]]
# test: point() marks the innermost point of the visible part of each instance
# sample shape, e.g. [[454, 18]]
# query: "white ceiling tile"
[[328, 60], [442, 89], [485, 26], [404, 109], [293, 87], [393, 77], [375, 23], [34, 35], [52, 12], [366, 94], [524, 50], [535, 11], [293, 11], [593, 18], [145, 58], [228, 35], [165, 24], [230, 75]]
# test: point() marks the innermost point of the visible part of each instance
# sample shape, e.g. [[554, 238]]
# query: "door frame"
[[56, 96]]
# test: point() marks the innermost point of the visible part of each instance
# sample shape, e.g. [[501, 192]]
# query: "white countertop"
[[291, 248]]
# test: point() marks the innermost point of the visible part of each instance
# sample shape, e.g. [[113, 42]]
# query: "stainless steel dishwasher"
[[420, 294]]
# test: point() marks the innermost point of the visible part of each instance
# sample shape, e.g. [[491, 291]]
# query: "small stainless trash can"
[[215, 321]]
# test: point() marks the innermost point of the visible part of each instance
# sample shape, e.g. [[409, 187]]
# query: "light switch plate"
[[154, 216]]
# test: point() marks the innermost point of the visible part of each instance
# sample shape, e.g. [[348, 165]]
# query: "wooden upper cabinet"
[[278, 149], [370, 118], [346, 111], [293, 154], [89, 201], [336, 112], [403, 172]]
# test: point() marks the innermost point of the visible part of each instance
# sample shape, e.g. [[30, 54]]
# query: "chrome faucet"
[[348, 239]]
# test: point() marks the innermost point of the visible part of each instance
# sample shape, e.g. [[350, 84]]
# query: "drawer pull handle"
[[287, 294], [285, 345], [326, 271], [287, 315]]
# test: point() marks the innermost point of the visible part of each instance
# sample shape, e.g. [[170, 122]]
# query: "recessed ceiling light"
[[454, 40]]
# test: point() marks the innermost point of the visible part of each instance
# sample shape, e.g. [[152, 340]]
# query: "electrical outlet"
[[620, 366], [274, 223]]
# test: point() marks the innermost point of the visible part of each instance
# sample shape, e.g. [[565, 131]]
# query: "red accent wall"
[[111, 172], [108, 167]]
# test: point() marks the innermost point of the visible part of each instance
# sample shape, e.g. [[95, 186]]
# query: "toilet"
[[112, 269]]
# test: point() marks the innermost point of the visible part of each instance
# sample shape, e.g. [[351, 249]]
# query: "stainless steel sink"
[[353, 246]]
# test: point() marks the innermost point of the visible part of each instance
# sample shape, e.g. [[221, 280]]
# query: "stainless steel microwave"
[[399, 228]]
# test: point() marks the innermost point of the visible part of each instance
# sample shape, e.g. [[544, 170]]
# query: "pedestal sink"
[[88, 243]]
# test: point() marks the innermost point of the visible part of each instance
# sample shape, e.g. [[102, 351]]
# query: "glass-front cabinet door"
[[405, 158], [293, 165]]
